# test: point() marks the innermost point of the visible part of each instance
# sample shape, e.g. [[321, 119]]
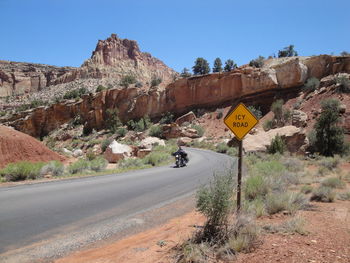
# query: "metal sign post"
[[240, 121]]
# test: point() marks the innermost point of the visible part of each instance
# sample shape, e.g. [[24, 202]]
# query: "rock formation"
[[112, 58], [181, 96]]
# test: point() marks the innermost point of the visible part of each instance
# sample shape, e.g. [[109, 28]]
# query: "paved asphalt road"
[[30, 214]]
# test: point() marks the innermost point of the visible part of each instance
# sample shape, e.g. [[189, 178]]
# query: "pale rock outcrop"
[[184, 141], [77, 153], [188, 117], [173, 130], [299, 118], [117, 151], [294, 138], [149, 142]]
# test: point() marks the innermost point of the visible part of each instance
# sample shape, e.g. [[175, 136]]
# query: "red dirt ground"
[[16, 146]]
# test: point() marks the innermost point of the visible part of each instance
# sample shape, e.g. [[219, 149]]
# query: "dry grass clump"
[[323, 194], [333, 182], [291, 226]]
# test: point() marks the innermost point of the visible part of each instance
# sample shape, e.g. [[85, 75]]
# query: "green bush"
[[343, 84], [79, 166], [21, 171], [306, 189], [98, 164], [131, 163], [277, 109], [277, 202], [323, 194], [215, 201], [156, 131], [127, 80], [277, 145], [74, 94], [329, 163], [155, 158], [112, 122], [139, 125], [333, 182], [344, 196], [255, 207], [311, 85], [287, 52], [258, 62], [267, 125], [55, 168], [255, 187], [155, 82], [199, 129], [256, 111], [167, 118], [100, 88], [222, 147]]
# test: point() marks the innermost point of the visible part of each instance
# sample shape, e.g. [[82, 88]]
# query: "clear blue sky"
[[65, 32]]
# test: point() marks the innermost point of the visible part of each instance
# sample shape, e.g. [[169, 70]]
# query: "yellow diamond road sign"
[[240, 121]]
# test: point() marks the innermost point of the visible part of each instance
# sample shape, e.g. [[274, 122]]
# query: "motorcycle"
[[180, 161]]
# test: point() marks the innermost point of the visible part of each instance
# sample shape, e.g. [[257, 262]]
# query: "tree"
[[230, 65], [217, 65], [258, 62], [329, 136], [155, 81], [185, 73], [127, 80], [287, 52], [201, 66], [277, 110]]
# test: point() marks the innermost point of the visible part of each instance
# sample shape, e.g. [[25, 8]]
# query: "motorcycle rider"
[[182, 153]]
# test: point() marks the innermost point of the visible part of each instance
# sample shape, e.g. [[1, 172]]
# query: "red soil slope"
[[16, 146]]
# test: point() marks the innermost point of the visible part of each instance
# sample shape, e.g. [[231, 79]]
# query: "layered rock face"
[[112, 58], [20, 78], [182, 95]]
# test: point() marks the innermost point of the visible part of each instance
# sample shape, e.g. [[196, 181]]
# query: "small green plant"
[[131, 163], [258, 62], [155, 158], [291, 226], [256, 111], [100, 88], [79, 166], [255, 187], [267, 125], [306, 189], [277, 145], [344, 196], [199, 129], [323, 194], [74, 94], [55, 168], [155, 82], [333, 182], [156, 131], [222, 147], [311, 85], [21, 171], [112, 121], [343, 84], [98, 164], [105, 143], [127, 80], [220, 114], [167, 118], [121, 131]]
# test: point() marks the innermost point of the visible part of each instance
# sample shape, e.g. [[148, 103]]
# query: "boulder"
[[117, 151], [188, 117], [170, 131], [299, 118], [189, 132], [149, 142], [141, 153], [294, 137], [67, 152], [77, 153], [342, 108], [184, 141]]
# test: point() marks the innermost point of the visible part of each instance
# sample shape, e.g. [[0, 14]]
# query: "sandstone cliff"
[[112, 58], [278, 76]]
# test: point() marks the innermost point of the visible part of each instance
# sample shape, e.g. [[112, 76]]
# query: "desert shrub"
[[291, 202], [245, 235], [139, 125], [222, 147], [293, 164], [329, 136], [121, 131], [255, 207], [287, 52], [131, 163], [343, 84], [98, 164], [291, 226], [232, 151], [156, 131], [138, 84], [329, 163], [155, 82], [256, 111], [323, 194], [21, 171], [344, 196], [215, 201], [50, 142], [37, 103], [306, 189], [127, 80], [199, 129], [55, 168], [74, 94], [267, 125], [192, 252], [255, 187], [113, 122], [79, 166], [269, 168], [333, 182], [167, 118], [277, 109], [3, 113], [311, 85], [258, 62], [290, 178], [100, 88], [277, 145], [219, 114], [90, 155], [155, 158]]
